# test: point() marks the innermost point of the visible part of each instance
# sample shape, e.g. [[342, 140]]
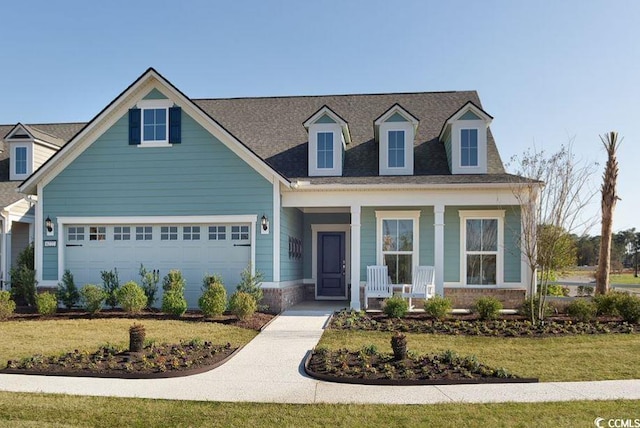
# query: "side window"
[[239, 233], [122, 233], [75, 233], [217, 233], [191, 233], [169, 233], [144, 233]]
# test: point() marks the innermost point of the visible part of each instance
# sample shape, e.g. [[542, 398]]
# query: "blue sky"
[[547, 71]]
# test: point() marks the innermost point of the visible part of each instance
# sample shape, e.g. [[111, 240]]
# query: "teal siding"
[[155, 95], [469, 115], [291, 222], [325, 119], [427, 236], [314, 218], [512, 255], [452, 243], [201, 176], [367, 240], [396, 117]]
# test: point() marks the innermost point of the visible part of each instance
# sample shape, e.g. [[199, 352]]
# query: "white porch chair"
[[423, 285], [378, 284]]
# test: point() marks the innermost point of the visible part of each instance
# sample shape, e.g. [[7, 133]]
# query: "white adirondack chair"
[[378, 284], [423, 285]]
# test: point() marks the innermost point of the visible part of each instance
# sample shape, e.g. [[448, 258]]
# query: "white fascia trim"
[[130, 97], [275, 230], [398, 215], [308, 187], [397, 108], [38, 252], [46, 144], [344, 126], [482, 214], [245, 218]]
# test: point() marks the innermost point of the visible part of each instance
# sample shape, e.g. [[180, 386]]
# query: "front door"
[[332, 266]]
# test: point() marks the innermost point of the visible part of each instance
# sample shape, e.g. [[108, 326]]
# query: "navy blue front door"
[[331, 265]]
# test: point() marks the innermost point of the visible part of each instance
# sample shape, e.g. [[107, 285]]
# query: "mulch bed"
[[372, 368], [255, 322], [155, 361], [469, 325]]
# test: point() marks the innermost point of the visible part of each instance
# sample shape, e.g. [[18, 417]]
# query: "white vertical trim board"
[[355, 256], [275, 230], [438, 247]]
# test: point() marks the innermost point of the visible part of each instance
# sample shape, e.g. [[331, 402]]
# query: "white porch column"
[[438, 211], [355, 257]]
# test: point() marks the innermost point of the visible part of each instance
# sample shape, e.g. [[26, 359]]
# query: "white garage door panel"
[[226, 257]]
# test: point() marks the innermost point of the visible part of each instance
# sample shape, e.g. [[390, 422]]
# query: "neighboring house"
[[308, 190], [23, 149]]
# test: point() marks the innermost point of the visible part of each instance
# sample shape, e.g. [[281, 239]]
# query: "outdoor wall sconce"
[[48, 224], [264, 222]]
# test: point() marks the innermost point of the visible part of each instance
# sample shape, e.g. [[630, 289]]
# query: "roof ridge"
[[335, 95], [44, 132]]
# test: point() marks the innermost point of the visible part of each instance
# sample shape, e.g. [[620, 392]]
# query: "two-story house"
[[308, 190]]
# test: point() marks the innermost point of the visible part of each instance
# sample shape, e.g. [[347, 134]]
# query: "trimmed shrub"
[[251, 284], [607, 304], [67, 292], [557, 290], [23, 278], [525, 309], [92, 297], [487, 308], [242, 305], [396, 307], [585, 290], [46, 303], [438, 307], [131, 297], [582, 310], [149, 281], [629, 308], [174, 281], [173, 301], [110, 284], [7, 306], [213, 301]]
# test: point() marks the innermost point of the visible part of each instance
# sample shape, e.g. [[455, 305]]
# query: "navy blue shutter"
[[175, 125], [134, 126]]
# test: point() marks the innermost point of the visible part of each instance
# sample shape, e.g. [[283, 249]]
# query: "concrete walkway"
[[269, 369]]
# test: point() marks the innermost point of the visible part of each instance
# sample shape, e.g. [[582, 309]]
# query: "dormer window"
[[468, 147], [155, 123], [395, 131], [20, 161], [328, 136]]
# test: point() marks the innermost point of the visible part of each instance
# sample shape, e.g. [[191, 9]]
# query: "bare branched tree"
[[552, 203], [609, 199]]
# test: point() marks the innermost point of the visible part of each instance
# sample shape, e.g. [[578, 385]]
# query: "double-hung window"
[[154, 125], [468, 147], [325, 150], [482, 247], [396, 149], [21, 160], [398, 243]]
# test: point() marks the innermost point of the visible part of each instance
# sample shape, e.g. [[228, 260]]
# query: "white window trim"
[[12, 171], [398, 215], [338, 149], [154, 104], [409, 136], [477, 147], [484, 215], [456, 147]]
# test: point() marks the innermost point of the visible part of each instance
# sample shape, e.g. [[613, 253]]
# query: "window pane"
[[488, 270], [396, 149], [389, 235], [490, 235], [405, 235], [469, 147], [473, 269], [474, 235], [325, 150], [399, 266]]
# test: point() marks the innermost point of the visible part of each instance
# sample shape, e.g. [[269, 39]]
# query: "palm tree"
[[609, 199]]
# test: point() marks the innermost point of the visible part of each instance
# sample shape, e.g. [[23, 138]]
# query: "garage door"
[[194, 249]]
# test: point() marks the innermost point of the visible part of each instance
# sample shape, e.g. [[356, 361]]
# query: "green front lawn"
[[17, 409], [567, 358], [51, 337]]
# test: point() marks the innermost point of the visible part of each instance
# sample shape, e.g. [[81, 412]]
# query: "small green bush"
[[487, 308], [92, 297], [174, 303], [7, 306], [251, 284], [132, 297], [149, 281], [111, 284], [46, 303], [242, 305], [557, 290], [608, 304], [629, 308], [585, 290], [438, 307], [23, 278], [174, 281], [213, 301], [582, 310], [396, 307], [67, 292], [525, 309]]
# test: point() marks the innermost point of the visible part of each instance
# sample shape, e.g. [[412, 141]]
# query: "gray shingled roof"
[[54, 133], [272, 128]]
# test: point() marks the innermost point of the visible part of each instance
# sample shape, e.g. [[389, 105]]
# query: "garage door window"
[[75, 234], [169, 233], [217, 233], [239, 233], [191, 233], [97, 233], [122, 233], [144, 233]]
